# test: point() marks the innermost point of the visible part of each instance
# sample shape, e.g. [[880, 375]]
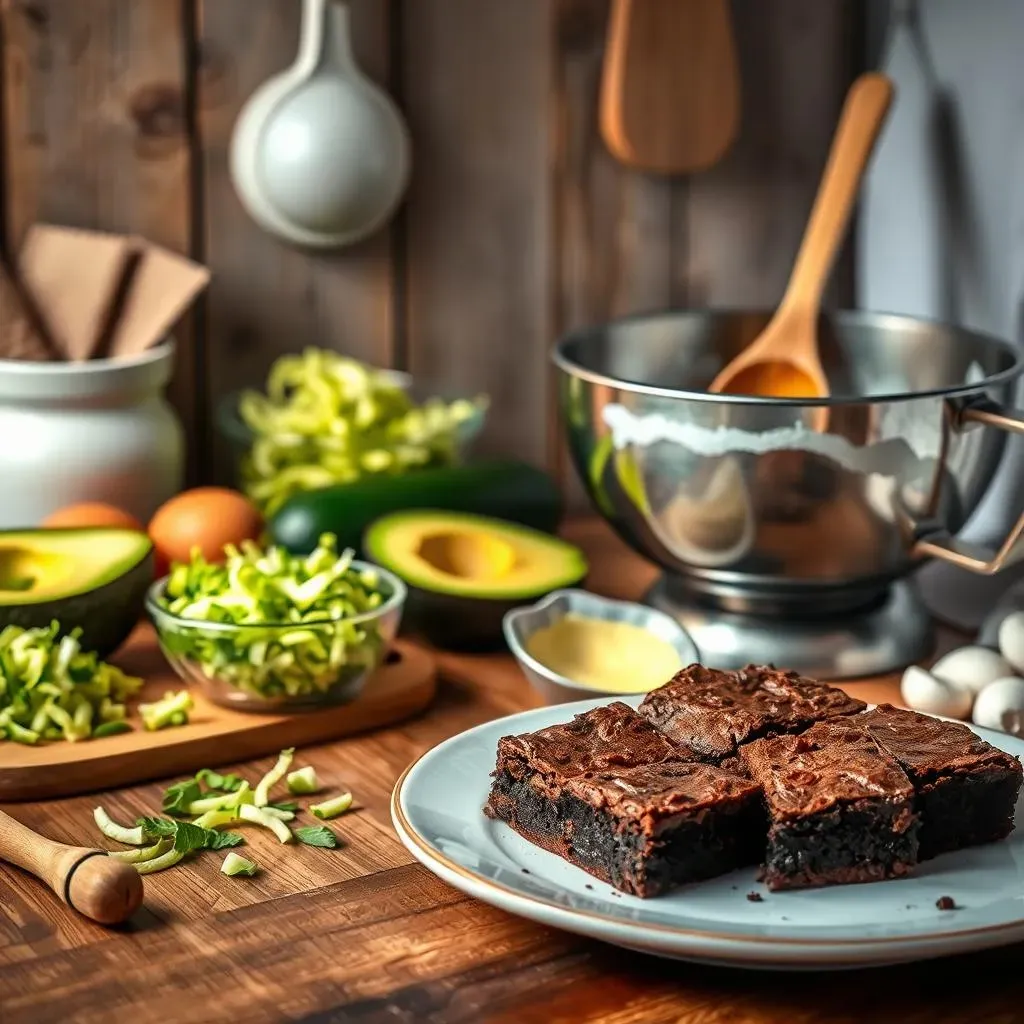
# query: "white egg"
[[1011, 639], [971, 668], [923, 692], [1000, 705]]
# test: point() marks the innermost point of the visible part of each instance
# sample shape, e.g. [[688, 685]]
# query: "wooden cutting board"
[[214, 736]]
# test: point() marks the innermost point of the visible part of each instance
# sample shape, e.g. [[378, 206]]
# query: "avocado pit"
[[470, 556]]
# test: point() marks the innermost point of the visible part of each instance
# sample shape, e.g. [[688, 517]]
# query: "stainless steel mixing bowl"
[[772, 506]]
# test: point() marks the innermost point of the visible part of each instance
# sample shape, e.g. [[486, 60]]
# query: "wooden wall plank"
[[97, 132], [268, 297], [630, 242], [614, 229], [476, 81], [741, 222]]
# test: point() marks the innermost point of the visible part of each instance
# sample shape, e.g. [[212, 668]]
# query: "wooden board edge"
[[37, 782]]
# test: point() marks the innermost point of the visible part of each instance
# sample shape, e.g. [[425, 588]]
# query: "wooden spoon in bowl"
[[783, 361]]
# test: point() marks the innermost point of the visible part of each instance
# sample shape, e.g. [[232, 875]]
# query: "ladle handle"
[[970, 556], [326, 39], [864, 111]]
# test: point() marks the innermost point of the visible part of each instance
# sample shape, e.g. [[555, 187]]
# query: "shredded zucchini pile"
[[50, 689], [327, 419], [311, 599], [199, 807]]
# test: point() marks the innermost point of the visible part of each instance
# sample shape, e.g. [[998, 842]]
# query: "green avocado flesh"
[[93, 579], [472, 556], [464, 572]]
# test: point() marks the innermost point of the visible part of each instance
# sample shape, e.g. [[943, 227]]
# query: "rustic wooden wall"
[[117, 114]]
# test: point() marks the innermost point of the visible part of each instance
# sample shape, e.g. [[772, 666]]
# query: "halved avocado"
[[464, 571], [95, 579]]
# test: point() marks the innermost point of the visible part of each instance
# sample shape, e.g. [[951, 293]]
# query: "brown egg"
[[89, 514], [206, 518]]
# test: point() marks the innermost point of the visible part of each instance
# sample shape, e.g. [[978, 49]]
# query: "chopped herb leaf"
[[222, 840], [157, 826], [178, 797], [214, 780], [317, 835], [189, 837]]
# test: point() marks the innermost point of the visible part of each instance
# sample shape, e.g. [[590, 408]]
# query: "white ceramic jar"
[[91, 431]]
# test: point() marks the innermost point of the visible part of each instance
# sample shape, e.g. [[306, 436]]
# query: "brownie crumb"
[[587, 885], [755, 897], [945, 903], [525, 871]]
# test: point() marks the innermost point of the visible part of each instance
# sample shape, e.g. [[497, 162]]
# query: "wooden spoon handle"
[[863, 115], [86, 879]]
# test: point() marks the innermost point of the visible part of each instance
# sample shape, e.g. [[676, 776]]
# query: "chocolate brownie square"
[[610, 795], [840, 810], [709, 714], [966, 788]]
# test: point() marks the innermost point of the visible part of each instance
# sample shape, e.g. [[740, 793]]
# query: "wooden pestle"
[[105, 890]]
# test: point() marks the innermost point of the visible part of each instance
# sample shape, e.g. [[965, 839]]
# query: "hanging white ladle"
[[320, 154]]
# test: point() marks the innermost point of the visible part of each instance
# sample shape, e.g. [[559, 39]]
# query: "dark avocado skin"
[[106, 615], [458, 623]]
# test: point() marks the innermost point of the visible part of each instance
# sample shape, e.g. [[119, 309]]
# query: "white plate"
[[436, 808]]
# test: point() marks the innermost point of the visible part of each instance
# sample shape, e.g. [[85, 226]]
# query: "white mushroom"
[[1001, 706], [1011, 639], [971, 668], [923, 692]]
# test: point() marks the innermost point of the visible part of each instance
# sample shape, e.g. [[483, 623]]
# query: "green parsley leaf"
[[189, 837], [214, 780], [157, 826], [222, 840], [317, 835], [178, 797]]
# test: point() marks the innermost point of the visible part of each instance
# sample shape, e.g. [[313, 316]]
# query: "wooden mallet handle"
[[87, 880]]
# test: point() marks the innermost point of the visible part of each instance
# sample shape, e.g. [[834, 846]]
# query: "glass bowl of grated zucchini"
[[325, 419], [270, 631]]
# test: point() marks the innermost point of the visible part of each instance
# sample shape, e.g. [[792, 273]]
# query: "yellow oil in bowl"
[[612, 657]]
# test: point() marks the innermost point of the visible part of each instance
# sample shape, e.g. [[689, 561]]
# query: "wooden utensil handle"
[[86, 879], [863, 115]]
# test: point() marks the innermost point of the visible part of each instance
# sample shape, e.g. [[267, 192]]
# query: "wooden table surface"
[[364, 934]]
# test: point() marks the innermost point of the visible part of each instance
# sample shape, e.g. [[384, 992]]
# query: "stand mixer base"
[[885, 637]]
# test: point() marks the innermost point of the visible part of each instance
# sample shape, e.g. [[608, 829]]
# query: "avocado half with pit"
[[464, 572], [94, 579]]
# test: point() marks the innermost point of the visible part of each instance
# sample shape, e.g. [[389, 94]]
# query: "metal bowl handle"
[[974, 557]]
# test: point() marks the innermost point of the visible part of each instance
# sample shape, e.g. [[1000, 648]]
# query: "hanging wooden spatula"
[[783, 360], [670, 88]]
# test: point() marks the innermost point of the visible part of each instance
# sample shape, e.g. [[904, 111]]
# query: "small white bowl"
[[521, 623]]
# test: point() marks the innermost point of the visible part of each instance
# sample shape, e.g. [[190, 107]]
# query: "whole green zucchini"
[[503, 489]]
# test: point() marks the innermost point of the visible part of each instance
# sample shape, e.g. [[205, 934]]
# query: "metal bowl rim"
[[848, 316]]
